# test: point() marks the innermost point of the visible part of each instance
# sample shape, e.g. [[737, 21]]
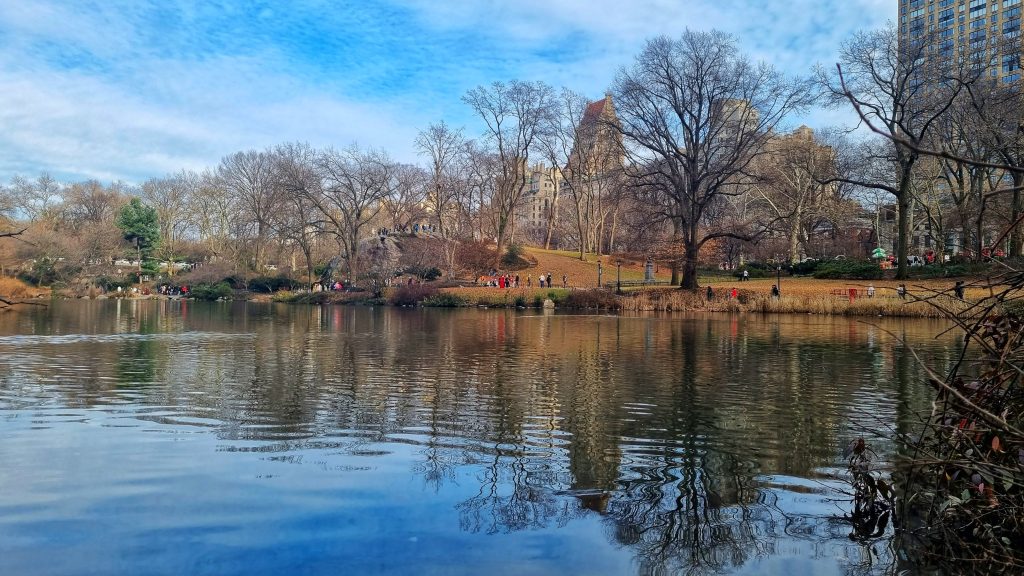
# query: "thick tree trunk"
[[904, 203], [689, 269], [794, 242], [690, 258]]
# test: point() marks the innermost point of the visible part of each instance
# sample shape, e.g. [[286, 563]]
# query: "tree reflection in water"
[[700, 443]]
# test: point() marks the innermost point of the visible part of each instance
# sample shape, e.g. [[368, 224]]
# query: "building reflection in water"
[[687, 436]]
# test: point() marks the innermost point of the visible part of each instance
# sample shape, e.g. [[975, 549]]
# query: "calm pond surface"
[[164, 437]]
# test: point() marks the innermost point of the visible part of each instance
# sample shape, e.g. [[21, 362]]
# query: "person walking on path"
[[734, 293], [550, 285], [901, 291], [958, 289], [746, 276], [565, 281], [710, 294], [871, 290]]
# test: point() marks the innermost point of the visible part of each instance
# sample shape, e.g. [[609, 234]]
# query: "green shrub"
[[428, 274], [849, 270], [520, 301], [111, 283], [558, 295], [411, 294], [756, 270], [210, 291], [538, 301], [512, 255], [805, 268], [269, 284], [444, 300]]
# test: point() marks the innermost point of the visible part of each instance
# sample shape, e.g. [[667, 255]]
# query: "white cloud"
[[99, 92]]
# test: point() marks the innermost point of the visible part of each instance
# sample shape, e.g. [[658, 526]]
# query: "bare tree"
[[169, 196], [694, 114], [446, 195], [212, 211], [299, 222], [900, 92], [586, 151], [482, 171], [249, 178], [795, 183], [406, 207], [35, 199], [513, 114], [353, 186], [444, 147]]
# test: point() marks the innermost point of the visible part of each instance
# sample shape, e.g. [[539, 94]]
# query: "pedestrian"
[[710, 294], [871, 290], [775, 291], [501, 281], [734, 293], [541, 280], [565, 281], [550, 285], [958, 289], [901, 291], [517, 281], [529, 280], [746, 276]]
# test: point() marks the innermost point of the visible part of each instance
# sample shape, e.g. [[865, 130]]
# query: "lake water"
[[162, 437]]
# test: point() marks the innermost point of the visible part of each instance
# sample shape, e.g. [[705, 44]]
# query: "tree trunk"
[[904, 203], [1015, 213], [552, 216], [690, 258], [615, 225], [689, 268], [794, 240]]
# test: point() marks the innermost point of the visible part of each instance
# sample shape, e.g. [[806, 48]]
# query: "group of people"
[[172, 290], [513, 281], [414, 229]]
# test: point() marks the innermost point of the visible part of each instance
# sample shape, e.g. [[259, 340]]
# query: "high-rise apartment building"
[[981, 34]]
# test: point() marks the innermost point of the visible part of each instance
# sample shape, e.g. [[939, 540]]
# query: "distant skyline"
[[128, 90]]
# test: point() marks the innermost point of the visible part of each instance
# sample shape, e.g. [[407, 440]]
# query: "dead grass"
[[799, 296], [583, 273], [14, 289]]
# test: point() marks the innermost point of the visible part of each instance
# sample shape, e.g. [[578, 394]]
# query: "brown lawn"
[[583, 274]]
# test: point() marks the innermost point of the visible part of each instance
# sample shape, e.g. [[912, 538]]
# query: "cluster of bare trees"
[[687, 159], [947, 140]]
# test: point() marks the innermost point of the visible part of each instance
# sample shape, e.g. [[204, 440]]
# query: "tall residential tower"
[[984, 34]]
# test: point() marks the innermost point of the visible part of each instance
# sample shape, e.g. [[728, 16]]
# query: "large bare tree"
[[900, 92], [586, 151], [353, 186], [299, 222], [513, 114], [169, 196], [796, 186], [249, 178], [446, 199], [695, 113]]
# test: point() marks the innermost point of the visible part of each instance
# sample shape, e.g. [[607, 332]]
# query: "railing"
[[635, 283]]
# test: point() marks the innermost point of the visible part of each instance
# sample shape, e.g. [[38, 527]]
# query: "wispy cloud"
[[128, 90]]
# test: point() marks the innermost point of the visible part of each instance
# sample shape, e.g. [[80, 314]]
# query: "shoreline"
[[812, 298]]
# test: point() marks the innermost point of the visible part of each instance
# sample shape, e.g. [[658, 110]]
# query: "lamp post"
[[618, 276], [599, 271]]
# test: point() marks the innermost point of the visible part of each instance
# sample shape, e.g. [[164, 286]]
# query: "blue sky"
[[135, 89]]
